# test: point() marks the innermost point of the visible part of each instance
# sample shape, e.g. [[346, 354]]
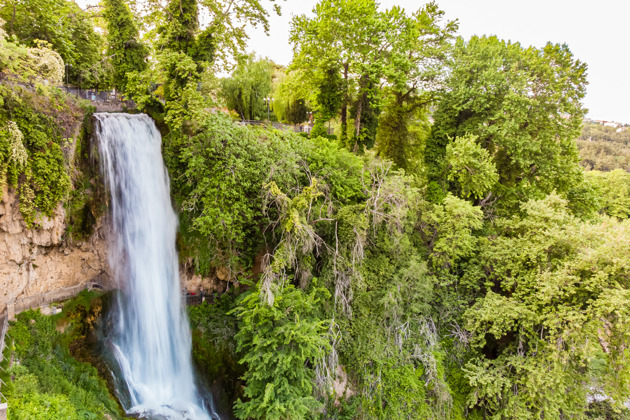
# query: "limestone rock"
[[223, 273], [39, 260], [194, 283]]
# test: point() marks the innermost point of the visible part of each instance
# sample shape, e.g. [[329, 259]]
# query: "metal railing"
[[109, 99], [41, 299], [193, 300], [105, 97], [298, 128], [4, 326]]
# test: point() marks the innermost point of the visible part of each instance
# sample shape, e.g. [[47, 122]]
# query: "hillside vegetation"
[[603, 148]]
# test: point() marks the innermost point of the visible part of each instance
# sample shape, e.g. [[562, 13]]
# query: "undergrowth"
[[44, 380]]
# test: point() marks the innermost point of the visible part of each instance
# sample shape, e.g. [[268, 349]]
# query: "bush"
[[48, 383]]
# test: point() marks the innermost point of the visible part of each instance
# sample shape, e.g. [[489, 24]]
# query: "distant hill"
[[604, 148]]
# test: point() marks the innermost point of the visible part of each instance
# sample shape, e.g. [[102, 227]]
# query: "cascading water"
[[152, 345]]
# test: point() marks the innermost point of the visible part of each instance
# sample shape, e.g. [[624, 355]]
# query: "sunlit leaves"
[[471, 166], [524, 106]]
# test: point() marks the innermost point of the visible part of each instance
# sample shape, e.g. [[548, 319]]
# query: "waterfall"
[[152, 343]]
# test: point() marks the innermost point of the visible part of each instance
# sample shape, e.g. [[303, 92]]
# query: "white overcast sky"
[[597, 32]]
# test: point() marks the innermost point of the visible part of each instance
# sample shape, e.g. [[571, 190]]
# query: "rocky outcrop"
[[195, 283], [220, 278], [40, 260]]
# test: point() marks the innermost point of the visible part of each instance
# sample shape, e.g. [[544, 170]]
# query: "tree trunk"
[[357, 125], [344, 106], [13, 19]]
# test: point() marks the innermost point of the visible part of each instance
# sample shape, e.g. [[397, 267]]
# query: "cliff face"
[[69, 250], [43, 260]]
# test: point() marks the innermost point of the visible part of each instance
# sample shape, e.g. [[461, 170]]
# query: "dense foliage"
[[35, 131], [523, 104], [220, 193], [248, 89], [604, 148], [278, 340], [435, 310], [350, 48], [48, 383], [67, 29], [290, 103], [39, 136], [37, 64], [126, 53]]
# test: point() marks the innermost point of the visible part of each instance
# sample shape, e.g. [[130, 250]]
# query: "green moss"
[[86, 201]]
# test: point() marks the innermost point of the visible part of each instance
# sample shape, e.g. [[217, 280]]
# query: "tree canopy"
[[523, 105], [126, 53], [248, 88], [368, 50], [68, 29]]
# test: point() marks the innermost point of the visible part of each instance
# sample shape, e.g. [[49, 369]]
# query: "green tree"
[[354, 41], [342, 36], [329, 98], [126, 52], [471, 167], [280, 343], [248, 86], [524, 106], [224, 36], [297, 112], [68, 30], [291, 97], [30, 64], [185, 53], [613, 191], [419, 50], [180, 31], [551, 318]]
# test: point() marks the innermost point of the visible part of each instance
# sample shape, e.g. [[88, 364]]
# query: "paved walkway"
[[298, 128], [103, 100]]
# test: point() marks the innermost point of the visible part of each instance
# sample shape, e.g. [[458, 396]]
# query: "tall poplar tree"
[[126, 52]]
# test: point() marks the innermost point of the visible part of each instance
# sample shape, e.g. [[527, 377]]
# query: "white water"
[[153, 344]]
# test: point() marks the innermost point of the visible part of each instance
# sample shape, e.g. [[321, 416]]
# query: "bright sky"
[[597, 33]]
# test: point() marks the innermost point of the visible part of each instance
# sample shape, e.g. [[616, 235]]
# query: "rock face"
[[220, 278], [41, 260], [194, 283]]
